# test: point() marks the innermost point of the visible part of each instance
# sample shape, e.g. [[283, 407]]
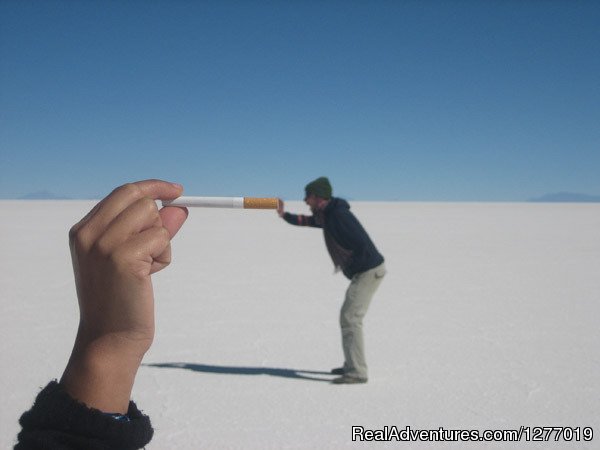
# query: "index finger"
[[123, 196]]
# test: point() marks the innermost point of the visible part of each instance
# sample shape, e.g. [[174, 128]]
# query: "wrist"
[[101, 376]]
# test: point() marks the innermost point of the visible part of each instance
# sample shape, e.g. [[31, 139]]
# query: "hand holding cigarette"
[[115, 249]]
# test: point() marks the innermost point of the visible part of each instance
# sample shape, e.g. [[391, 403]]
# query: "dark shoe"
[[345, 379], [338, 371]]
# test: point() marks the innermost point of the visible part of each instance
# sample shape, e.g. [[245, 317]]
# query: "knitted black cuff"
[[58, 420]]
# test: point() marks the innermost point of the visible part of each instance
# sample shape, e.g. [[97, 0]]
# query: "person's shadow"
[[235, 370]]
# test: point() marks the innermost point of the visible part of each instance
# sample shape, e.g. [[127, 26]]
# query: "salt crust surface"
[[487, 319]]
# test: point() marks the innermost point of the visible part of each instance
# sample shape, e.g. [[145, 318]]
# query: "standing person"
[[352, 252]]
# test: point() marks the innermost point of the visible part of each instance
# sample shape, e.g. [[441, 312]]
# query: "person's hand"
[[280, 207], [115, 249]]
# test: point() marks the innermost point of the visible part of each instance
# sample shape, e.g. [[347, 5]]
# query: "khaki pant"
[[357, 301]]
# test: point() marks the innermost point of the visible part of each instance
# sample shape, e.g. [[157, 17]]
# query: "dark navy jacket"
[[347, 232]]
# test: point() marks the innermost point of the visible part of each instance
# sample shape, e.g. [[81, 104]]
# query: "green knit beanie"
[[320, 187]]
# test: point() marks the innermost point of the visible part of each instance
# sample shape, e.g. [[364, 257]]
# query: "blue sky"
[[393, 100]]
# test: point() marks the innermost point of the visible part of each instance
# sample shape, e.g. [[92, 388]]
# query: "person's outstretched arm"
[[115, 249], [295, 219]]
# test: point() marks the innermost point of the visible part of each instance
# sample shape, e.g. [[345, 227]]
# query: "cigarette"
[[224, 202]]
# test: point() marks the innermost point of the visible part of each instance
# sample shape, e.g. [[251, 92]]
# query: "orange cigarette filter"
[[260, 203]]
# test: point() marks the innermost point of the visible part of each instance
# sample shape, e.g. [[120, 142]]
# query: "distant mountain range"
[[43, 195], [567, 197]]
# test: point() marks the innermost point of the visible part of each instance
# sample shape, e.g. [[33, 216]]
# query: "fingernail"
[[178, 186]]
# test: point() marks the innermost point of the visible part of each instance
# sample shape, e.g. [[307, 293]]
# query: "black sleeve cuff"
[[57, 421]]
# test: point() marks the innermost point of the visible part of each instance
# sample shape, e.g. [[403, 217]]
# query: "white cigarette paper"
[[224, 202]]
